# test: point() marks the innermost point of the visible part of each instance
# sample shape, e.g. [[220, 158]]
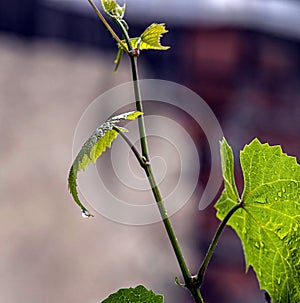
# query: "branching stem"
[[139, 107], [193, 283], [132, 147], [214, 242], [107, 25], [137, 94], [125, 35], [148, 170], [145, 163], [188, 279]]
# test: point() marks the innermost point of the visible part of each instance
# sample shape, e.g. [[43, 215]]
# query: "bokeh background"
[[241, 56]]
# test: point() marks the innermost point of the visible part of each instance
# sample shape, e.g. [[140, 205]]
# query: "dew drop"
[[261, 199], [278, 280], [257, 244], [279, 194], [283, 189], [85, 214]]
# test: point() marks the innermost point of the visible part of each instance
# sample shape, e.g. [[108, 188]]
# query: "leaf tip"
[[223, 141]]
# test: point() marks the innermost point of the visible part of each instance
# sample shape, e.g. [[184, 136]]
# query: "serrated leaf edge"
[[278, 151], [88, 154], [137, 291]]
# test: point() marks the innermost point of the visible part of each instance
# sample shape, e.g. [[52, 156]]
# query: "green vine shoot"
[[266, 217]]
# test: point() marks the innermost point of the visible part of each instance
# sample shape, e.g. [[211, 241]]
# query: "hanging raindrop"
[[85, 214]]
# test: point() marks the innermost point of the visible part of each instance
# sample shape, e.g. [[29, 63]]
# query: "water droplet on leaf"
[[279, 194], [85, 214], [257, 244], [261, 199]]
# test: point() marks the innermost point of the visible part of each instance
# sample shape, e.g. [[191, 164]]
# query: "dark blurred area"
[[231, 64], [241, 58]]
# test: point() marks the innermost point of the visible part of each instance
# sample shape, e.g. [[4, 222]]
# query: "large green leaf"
[[138, 294], [92, 149], [269, 221]]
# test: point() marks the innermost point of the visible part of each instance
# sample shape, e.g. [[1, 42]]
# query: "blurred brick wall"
[[251, 80]]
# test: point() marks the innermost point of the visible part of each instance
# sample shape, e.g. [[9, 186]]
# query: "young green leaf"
[[138, 294], [113, 9], [149, 39], [269, 221], [92, 149]]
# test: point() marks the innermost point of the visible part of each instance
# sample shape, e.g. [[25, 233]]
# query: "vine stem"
[[139, 107], [190, 282], [132, 147], [188, 279], [148, 170], [146, 165], [137, 91], [214, 242]]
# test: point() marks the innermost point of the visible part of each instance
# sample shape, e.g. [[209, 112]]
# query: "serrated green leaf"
[[113, 9], [139, 294], [150, 38], [269, 221], [92, 149]]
